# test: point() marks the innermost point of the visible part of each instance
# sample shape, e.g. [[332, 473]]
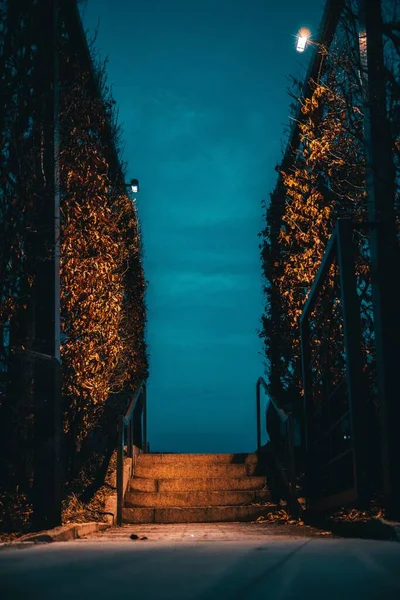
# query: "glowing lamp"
[[134, 185], [302, 38]]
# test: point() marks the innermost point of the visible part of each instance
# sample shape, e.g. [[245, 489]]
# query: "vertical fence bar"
[[131, 430], [120, 469], [144, 393], [307, 377], [307, 401], [258, 412], [129, 440], [291, 457], [139, 417], [352, 340], [137, 423]]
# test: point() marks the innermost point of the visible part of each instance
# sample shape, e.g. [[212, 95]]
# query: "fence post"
[[48, 406], [352, 340], [307, 401]]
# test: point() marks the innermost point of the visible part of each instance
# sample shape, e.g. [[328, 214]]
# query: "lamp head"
[[302, 38], [134, 185]]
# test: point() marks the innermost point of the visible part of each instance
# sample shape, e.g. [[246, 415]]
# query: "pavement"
[[224, 561]]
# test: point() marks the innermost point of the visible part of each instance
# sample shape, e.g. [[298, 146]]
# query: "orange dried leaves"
[[99, 241]]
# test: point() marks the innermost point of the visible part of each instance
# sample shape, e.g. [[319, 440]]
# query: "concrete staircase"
[[196, 488]]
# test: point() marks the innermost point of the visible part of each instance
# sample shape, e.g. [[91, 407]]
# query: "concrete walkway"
[[207, 532], [205, 562]]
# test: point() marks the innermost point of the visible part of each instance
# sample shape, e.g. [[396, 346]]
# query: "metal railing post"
[[120, 469], [129, 439], [291, 456], [258, 410], [144, 393], [133, 420], [275, 418], [307, 403], [132, 442], [137, 416], [354, 359]]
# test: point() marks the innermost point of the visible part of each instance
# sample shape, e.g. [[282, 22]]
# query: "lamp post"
[[304, 40]]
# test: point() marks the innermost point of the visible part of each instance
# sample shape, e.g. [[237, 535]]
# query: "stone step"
[[195, 499], [192, 470], [205, 459], [209, 514], [147, 484]]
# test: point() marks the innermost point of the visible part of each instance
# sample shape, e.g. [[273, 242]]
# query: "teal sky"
[[202, 94]]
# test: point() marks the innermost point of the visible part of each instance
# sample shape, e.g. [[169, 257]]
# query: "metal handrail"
[[280, 412], [285, 417], [136, 431]]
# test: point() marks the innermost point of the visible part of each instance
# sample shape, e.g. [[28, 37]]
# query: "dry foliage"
[[102, 291], [15, 511], [74, 510], [324, 180], [281, 517], [374, 511], [103, 312]]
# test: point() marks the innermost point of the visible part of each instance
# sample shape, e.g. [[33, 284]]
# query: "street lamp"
[[303, 39]]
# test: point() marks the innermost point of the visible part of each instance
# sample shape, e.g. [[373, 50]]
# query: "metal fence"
[[336, 414]]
